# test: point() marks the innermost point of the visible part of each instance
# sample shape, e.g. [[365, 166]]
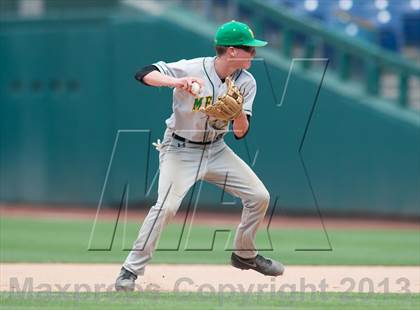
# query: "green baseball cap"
[[236, 33]]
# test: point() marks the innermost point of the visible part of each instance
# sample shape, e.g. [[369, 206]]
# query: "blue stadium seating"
[[391, 24]]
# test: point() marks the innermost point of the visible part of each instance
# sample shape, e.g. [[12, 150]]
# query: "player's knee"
[[169, 206], [262, 196], [166, 209]]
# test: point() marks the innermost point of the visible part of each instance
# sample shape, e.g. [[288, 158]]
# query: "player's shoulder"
[[194, 61], [183, 61], [245, 77]]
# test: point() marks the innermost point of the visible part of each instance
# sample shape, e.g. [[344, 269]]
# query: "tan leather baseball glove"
[[227, 107]]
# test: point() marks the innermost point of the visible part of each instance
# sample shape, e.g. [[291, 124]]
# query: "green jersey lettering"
[[197, 103], [208, 100]]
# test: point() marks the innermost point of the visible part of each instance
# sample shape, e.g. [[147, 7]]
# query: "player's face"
[[243, 56]]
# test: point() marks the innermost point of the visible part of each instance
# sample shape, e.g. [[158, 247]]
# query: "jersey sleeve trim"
[[143, 72], [248, 112], [249, 125]]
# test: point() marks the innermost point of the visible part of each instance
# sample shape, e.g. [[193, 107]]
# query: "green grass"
[[150, 300], [57, 240]]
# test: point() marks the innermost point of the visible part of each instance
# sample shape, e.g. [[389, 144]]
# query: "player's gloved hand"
[[227, 107], [185, 83]]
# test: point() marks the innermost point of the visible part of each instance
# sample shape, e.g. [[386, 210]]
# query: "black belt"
[[179, 138]]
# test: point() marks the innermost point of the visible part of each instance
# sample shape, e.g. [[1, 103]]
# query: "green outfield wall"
[[67, 91]]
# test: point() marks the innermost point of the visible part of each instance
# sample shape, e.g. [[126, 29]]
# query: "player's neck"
[[223, 68]]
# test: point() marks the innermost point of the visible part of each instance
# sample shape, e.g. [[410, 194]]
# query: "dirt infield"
[[210, 278], [207, 278]]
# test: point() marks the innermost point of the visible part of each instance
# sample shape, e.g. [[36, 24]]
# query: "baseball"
[[195, 88]]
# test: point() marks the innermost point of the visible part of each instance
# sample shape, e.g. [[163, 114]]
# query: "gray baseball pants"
[[183, 164]]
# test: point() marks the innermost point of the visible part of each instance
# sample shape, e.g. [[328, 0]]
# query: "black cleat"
[[125, 281], [268, 267]]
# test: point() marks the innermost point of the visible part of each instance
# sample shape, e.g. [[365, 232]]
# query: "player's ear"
[[231, 51]]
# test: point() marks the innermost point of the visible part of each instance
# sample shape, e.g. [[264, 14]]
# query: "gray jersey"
[[186, 119]]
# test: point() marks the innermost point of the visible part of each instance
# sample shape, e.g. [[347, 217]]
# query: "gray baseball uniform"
[[182, 164]]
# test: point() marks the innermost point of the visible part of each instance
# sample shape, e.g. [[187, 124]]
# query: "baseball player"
[[209, 95]]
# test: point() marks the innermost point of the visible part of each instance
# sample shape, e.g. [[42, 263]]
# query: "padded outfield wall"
[[68, 88]]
